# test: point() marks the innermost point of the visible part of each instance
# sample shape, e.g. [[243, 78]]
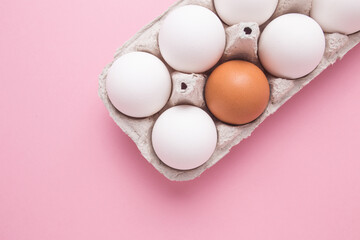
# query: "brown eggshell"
[[237, 92]]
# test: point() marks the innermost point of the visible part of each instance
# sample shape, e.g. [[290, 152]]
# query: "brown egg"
[[237, 92]]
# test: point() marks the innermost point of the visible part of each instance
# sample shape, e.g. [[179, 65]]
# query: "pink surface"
[[68, 172]]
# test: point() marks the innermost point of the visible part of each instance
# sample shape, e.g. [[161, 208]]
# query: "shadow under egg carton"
[[241, 44]]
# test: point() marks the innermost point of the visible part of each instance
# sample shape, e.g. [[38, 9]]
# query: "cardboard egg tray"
[[241, 44]]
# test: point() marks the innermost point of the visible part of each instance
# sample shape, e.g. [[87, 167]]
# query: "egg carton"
[[241, 44]]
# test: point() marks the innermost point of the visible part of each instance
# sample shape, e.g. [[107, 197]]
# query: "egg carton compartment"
[[241, 43]]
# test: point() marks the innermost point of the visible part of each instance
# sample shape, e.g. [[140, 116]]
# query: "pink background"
[[68, 172]]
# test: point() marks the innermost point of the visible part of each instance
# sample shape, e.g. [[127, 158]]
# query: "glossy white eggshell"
[[237, 11], [342, 16], [184, 137], [192, 39], [138, 84], [291, 46]]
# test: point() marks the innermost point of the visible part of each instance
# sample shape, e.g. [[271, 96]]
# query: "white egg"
[[236, 11], [192, 39], [138, 84], [184, 137], [291, 46], [342, 16]]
